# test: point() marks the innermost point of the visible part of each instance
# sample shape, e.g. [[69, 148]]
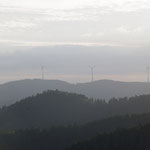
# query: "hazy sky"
[[68, 36]]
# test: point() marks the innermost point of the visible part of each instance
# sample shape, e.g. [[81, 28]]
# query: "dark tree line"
[[59, 138], [137, 138], [55, 108]]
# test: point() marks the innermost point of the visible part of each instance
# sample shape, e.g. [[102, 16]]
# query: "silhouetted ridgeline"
[[55, 108], [103, 89]]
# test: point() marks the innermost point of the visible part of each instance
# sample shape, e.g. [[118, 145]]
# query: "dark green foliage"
[[55, 108], [58, 138], [45, 110], [137, 138]]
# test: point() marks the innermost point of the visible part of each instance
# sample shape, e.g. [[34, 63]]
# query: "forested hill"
[[55, 108], [59, 138], [136, 138], [102, 89], [44, 110]]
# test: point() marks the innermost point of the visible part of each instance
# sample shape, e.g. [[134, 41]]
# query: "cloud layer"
[[105, 21], [35, 27]]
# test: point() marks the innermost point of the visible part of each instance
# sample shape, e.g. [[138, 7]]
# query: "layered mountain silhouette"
[[68, 121], [56, 108], [103, 89]]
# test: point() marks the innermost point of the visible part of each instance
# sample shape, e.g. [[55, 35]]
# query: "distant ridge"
[[102, 89]]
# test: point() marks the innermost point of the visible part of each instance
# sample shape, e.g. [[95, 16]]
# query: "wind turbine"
[[92, 73], [43, 73], [148, 73]]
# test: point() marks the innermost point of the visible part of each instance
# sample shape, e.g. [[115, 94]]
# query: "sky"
[[67, 37]]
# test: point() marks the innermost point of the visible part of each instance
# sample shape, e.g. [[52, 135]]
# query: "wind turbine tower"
[[92, 73], [148, 73], [43, 73]]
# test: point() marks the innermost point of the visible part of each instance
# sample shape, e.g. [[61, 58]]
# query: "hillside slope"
[[66, 136], [55, 108], [131, 139], [104, 89]]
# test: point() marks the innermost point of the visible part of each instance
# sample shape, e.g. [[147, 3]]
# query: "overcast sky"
[[68, 36]]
